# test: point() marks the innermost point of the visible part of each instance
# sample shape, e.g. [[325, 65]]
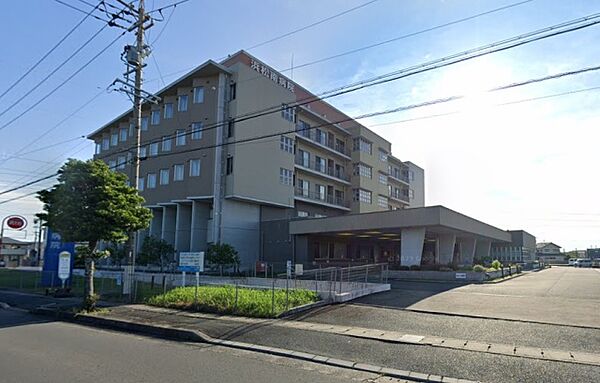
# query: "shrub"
[[496, 264], [479, 269], [445, 268], [415, 267], [405, 268]]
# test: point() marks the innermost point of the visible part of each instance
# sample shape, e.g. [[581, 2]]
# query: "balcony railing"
[[403, 195], [322, 168], [319, 197], [400, 176], [322, 139]]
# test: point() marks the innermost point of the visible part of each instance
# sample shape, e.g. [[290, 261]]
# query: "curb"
[[167, 332]]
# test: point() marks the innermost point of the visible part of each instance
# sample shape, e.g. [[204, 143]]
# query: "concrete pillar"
[[156, 223], [411, 246], [168, 224], [483, 248], [445, 248], [198, 233], [467, 250], [183, 225]]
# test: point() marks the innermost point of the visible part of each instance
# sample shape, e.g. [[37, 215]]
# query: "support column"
[[445, 249], [183, 226], [200, 217], [411, 246], [483, 248], [156, 223], [467, 250], [168, 224]]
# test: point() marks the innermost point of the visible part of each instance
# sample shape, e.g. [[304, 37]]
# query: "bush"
[[415, 268], [446, 268], [222, 300], [496, 264], [479, 269], [404, 268]]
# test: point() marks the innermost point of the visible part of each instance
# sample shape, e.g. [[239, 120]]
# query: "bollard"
[[152, 282]]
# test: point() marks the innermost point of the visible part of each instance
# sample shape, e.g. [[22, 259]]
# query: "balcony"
[[313, 166], [321, 140], [400, 177], [402, 196], [322, 199]]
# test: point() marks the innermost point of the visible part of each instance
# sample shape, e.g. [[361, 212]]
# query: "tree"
[[156, 250], [222, 254], [90, 204]]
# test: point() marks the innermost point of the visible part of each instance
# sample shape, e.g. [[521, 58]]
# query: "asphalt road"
[[36, 350]]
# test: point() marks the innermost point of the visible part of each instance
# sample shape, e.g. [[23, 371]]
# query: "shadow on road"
[[14, 318]]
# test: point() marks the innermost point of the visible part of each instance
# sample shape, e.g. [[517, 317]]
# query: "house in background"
[[15, 253], [549, 252]]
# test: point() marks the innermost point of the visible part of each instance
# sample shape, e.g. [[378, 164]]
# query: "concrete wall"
[[241, 227]]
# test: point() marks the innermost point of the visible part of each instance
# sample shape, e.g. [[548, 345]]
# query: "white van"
[[572, 261], [583, 262]]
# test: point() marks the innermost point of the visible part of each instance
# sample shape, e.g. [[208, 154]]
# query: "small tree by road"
[[156, 251], [222, 255], [92, 203]]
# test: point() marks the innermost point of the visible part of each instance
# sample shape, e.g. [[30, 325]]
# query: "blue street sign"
[[54, 246]]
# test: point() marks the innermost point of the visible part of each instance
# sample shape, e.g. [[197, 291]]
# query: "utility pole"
[[133, 56]]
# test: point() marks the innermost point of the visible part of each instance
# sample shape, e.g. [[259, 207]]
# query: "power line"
[[413, 70], [80, 10], [48, 53], [62, 83]]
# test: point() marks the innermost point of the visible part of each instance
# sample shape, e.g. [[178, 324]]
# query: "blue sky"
[[528, 166]]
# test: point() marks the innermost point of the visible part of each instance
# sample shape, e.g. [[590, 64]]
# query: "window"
[[168, 110], [320, 215], [123, 134], [360, 144], [141, 183], [287, 144], [302, 213], [194, 168], [363, 170], [411, 175], [114, 139], [285, 176], [320, 164], [362, 195], [382, 201], [411, 193], [304, 158], [182, 103], [180, 137], [340, 146], [121, 161], [112, 164], [164, 176], [320, 190], [303, 128], [151, 178], [232, 91], [155, 117], [166, 144], [197, 130], [144, 123], [229, 165], [383, 179], [154, 149], [98, 148], [320, 137], [230, 127], [178, 172], [383, 156], [129, 157], [143, 151], [131, 129], [304, 188], [198, 95], [288, 113], [105, 143]]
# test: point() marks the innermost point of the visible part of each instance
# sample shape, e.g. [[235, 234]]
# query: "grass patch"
[[222, 299]]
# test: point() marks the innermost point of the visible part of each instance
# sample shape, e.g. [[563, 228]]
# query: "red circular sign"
[[16, 222]]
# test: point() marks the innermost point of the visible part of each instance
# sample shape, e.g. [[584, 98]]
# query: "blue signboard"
[[54, 246]]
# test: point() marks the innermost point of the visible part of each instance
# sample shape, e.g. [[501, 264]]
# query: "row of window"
[[164, 175]]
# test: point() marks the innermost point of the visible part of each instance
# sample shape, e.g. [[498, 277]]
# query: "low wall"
[[458, 276], [334, 291]]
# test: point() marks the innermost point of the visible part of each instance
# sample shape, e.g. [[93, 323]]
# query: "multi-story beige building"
[[237, 153], [209, 177]]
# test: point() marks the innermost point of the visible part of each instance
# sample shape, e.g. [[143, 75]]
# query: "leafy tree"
[[222, 254], [117, 254], [89, 204], [155, 250]]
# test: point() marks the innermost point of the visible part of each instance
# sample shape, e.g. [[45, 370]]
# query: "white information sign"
[[289, 268], [461, 275], [191, 261], [64, 265]]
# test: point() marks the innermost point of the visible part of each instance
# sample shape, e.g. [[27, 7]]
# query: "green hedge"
[[222, 299]]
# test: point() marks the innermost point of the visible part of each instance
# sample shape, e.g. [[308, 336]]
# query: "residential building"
[[214, 171], [593, 253], [549, 252], [521, 249], [15, 253]]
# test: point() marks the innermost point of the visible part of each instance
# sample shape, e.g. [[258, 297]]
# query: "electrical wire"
[[470, 54]]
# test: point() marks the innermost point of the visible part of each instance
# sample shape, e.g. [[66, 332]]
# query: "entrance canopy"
[[436, 233]]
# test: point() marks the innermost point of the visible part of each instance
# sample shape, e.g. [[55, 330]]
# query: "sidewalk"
[[362, 349]]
